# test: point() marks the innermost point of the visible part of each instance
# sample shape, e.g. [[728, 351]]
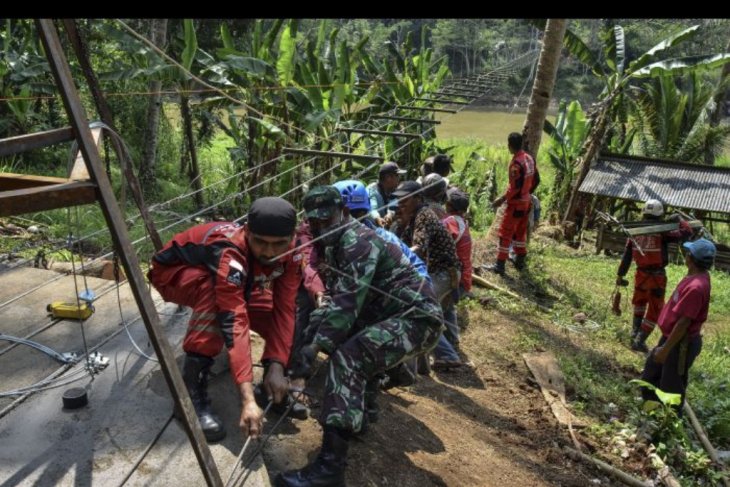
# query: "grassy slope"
[[597, 363]]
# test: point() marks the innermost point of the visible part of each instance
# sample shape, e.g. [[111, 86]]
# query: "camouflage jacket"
[[369, 280]]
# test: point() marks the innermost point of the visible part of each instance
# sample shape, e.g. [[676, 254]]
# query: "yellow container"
[[59, 309]]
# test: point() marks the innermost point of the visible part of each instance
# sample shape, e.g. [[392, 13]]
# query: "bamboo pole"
[[705, 441], [619, 474], [489, 285]]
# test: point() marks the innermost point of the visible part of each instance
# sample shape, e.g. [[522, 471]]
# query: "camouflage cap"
[[322, 202]]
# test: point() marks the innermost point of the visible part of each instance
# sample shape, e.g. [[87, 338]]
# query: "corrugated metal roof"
[[674, 183]]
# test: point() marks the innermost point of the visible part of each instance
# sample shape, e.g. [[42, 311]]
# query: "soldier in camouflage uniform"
[[380, 312]]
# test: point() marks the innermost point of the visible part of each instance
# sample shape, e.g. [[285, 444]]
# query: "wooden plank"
[[647, 229], [44, 198], [345, 155], [444, 101], [118, 229], [23, 143], [427, 109], [454, 93], [11, 181], [406, 119], [79, 171], [546, 370], [379, 132]]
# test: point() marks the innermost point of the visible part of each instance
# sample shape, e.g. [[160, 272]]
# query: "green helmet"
[[322, 202]]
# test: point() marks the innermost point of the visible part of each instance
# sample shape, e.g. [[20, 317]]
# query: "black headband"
[[272, 216]]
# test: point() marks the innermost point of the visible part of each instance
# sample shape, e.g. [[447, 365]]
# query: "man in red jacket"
[[522, 181], [235, 280]]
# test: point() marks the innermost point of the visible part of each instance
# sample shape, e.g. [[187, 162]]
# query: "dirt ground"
[[484, 425], [487, 425]]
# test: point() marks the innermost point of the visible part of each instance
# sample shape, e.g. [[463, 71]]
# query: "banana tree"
[[617, 73], [405, 74], [566, 139], [24, 80]]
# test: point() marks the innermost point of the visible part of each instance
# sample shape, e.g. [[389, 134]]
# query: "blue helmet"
[[354, 194]]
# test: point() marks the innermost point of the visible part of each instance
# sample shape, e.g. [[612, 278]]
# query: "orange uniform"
[[650, 281], [522, 172]]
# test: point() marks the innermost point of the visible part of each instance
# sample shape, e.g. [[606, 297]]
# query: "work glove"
[[620, 281], [304, 362]]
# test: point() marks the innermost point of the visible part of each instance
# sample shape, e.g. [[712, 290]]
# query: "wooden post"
[[118, 230]]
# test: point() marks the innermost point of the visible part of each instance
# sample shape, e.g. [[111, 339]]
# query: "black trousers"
[[672, 375]]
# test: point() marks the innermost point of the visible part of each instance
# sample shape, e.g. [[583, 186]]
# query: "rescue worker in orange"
[[236, 279], [523, 179], [650, 280]]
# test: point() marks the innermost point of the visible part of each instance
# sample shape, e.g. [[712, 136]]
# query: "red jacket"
[[459, 231], [521, 174], [311, 280], [242, 283], [654, 247]]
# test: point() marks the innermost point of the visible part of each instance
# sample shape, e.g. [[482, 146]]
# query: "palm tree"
[[542, 88], [673, 123], [617, 76]]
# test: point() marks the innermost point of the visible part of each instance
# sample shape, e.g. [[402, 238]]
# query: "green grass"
[[487, 126], [584, 282]]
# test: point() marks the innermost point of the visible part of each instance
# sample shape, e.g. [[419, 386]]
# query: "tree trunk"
[[717, 113], [193, 172], [593, 144], [542, 88], [125, 160], [158, 36]]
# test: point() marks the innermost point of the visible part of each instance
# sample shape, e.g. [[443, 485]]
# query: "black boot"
[[636, 326], [399, 376], [497, 267], [327, 470], [372, 410], [519, 262], [195, 376], [639, 343]]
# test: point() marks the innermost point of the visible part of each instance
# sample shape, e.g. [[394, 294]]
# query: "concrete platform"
[[124, 436]]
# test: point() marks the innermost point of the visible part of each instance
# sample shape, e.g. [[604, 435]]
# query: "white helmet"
[[653, 207]]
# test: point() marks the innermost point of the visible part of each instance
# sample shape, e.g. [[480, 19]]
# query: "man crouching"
[[381, 312]]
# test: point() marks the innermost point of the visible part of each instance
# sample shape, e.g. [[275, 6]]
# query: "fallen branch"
[[664, 475], [619, 474], [706, 442], [489, 285]]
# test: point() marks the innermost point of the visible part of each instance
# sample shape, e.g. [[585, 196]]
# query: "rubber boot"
[[636, 326], [195, 375], [328, 469], [639, 343], [519, 262], [372, 410], [497, 267], [399, 376]]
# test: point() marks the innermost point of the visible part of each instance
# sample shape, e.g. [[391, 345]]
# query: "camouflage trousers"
[[365, 355]]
